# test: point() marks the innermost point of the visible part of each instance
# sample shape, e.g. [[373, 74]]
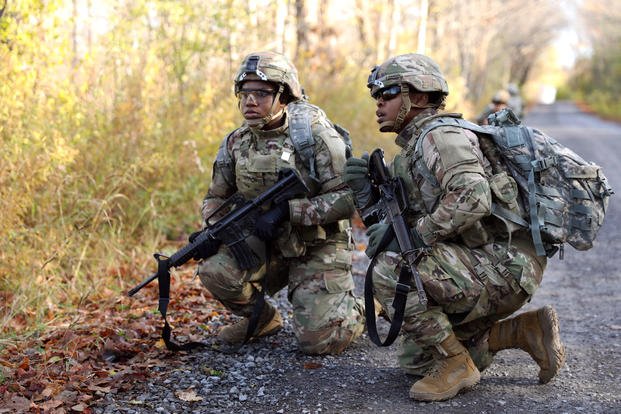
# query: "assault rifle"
[[232, 230], [391, 206], [234, 227]]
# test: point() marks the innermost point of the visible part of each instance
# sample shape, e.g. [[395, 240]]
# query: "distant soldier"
[[308, 239], [499, 101], [515, 100], [474, 272]]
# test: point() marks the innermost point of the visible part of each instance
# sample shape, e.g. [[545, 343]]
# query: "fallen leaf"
[[189, 395], [48, 405], [54, 359], [48, 392], [312, 365], [96, 388], [25, 364], [18, 404], [79, 407]]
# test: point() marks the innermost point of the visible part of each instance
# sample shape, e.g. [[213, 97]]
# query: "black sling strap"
[[253, 321], [163, 281], [401, 295]]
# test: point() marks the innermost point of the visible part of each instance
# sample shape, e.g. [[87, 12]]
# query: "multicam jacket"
[[256, 156], [452, 208]]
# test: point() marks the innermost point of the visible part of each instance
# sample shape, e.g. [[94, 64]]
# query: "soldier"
[[310, 247], [499, 101], [474, 273]]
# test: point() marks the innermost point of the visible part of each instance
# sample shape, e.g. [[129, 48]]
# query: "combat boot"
[[452, 372], [536, 332], [269, 323]]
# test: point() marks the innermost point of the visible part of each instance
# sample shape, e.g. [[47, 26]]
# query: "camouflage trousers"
[[468, 291], [327, 316]]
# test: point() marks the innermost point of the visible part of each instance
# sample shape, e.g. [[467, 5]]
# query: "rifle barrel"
[[145, 282]]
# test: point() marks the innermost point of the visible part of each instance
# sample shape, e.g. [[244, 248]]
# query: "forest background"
[[111, 112]]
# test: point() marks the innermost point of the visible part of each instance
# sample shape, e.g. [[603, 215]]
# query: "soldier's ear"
[[419, 99]]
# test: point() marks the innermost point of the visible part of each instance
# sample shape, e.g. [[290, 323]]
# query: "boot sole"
[[552, 343], [450, 393]]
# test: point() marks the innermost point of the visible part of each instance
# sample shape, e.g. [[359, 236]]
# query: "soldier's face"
[[388, 106], [256, 99]]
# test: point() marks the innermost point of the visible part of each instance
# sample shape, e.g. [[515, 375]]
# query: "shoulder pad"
[[223, 158], [303, 107], [301, 115]]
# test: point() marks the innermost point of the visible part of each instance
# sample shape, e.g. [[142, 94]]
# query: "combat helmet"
[[269, 67], [513, 89], [410, 70]]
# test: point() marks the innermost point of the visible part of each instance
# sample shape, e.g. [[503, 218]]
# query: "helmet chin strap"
[[260, 123], [406, 106]]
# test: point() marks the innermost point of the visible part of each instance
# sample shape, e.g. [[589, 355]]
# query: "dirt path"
[[270, 376]]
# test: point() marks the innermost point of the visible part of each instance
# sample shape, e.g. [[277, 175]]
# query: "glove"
[[356, 177], [207, 249], [266, 227], [376, 234]]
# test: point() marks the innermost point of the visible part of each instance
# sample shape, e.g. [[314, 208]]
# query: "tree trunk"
[[301, 29], [422, 27], [362, 26]]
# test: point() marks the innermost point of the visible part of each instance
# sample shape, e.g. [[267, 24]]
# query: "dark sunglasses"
[[388, 93]]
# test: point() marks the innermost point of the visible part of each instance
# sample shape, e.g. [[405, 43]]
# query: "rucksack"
[[301, 136], [564, 197]]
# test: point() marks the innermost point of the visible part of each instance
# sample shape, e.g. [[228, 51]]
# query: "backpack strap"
[[346, 138], [537, 220], [301, 134], [224, 161], [302, 139]]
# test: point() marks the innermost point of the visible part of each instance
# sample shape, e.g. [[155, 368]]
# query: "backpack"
[[563, 198], [301, 135]]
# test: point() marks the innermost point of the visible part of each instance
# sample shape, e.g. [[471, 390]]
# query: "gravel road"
[[271, 376]]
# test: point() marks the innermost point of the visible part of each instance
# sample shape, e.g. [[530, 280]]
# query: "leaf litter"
[[72, 365]]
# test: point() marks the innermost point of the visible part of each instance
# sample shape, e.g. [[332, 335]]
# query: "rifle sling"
[[163, 281], [253, 321], [401, 296]]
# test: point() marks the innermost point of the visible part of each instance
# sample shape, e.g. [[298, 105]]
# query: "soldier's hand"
[[207, 249], [376, 233], [267, 225], [356, 176]]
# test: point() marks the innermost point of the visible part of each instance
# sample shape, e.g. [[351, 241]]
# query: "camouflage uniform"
[[474, 274], [313, 254], [499, 101]]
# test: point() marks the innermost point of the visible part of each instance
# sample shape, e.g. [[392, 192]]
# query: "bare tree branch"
[[3, 8]]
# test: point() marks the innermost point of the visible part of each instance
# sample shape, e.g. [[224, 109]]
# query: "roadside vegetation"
[[596, 81]]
